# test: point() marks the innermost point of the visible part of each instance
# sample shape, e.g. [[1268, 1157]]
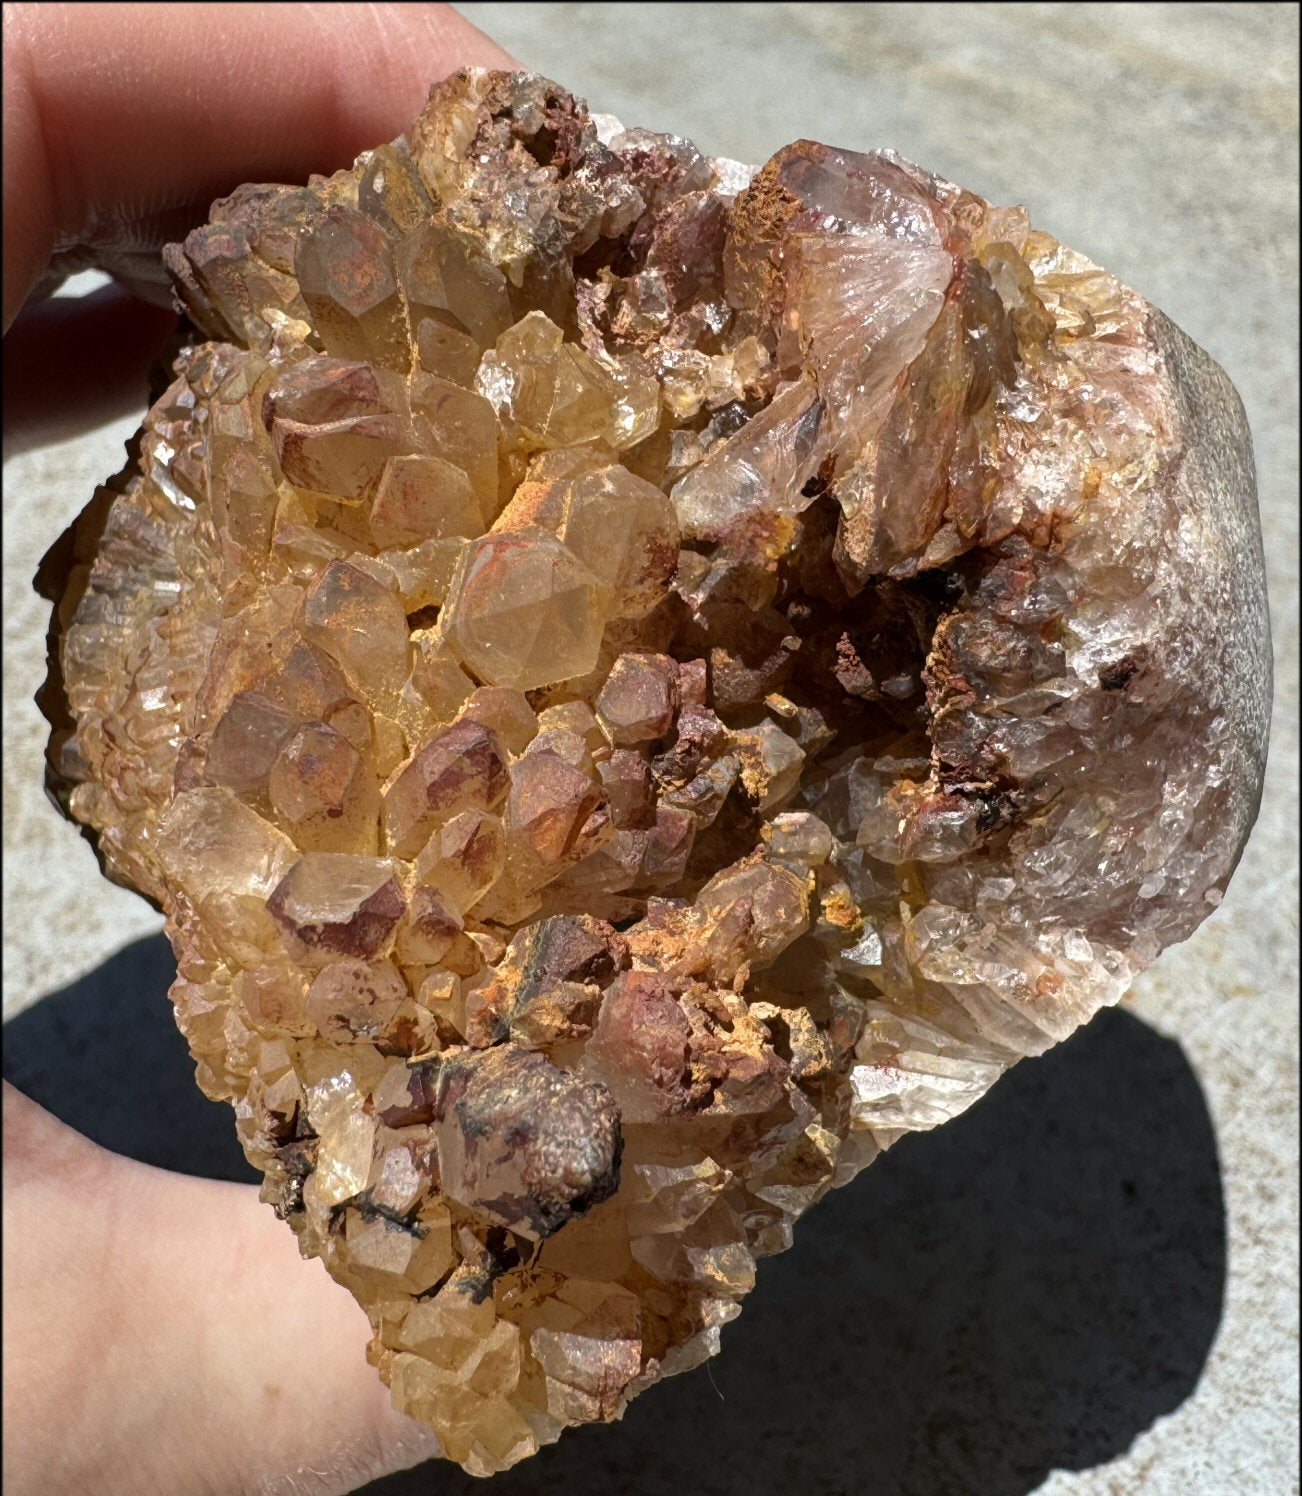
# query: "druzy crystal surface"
[[637, 682]]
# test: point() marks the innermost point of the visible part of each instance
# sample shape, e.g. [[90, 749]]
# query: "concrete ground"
[[1089, 1284]]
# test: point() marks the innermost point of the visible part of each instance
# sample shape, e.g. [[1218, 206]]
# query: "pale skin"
[[161, 1332]]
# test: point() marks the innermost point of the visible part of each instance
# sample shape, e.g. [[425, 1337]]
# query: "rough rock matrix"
[[638, 682]]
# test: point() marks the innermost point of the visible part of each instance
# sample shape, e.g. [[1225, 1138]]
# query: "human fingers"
[[123, 122], [163, 1335]]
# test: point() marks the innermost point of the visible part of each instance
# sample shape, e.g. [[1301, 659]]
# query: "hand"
[[161, 1333]]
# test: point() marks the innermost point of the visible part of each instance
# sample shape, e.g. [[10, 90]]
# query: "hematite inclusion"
[[637, 683]]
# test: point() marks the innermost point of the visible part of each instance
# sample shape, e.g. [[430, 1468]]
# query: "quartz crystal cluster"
[[637, 682]]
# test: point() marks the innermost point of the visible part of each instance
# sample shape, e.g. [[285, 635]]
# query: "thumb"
[[169, 1322]]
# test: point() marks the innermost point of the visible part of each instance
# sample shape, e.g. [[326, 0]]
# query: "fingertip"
[[139, 116]]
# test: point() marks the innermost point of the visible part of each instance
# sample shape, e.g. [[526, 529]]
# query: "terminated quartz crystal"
[[638, 682]]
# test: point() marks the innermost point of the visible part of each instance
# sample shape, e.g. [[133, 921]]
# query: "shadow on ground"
[[1027, 1289]]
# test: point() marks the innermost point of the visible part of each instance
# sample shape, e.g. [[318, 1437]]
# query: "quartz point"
[[637, 683]]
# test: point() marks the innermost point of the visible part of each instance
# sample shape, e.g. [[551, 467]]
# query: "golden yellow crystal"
[[637, 683]]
